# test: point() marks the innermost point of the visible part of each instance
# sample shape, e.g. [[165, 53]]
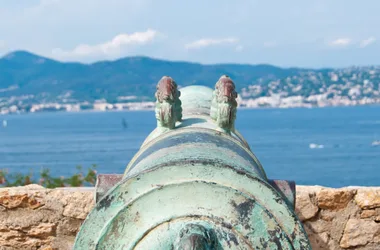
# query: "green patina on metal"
[[168, 105], [194, 184], [223, 106]]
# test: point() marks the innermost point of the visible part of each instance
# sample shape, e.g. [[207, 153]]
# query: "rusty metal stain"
[[104, 182]]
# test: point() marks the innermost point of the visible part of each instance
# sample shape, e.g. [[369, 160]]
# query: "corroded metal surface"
[[196, 236], [286, 188], [105, 182], [196, 100], [196, 185], [196, 145], [168, 105], [223, 107]]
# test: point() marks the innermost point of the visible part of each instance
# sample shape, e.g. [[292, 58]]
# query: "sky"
[[293, 33]]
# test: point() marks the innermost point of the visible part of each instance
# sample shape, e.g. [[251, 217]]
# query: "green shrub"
[[45, 179]]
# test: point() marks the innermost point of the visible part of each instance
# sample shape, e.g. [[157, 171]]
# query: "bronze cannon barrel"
[[194, 184]]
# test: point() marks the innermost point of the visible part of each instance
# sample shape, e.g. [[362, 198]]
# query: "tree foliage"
[[45, 179]]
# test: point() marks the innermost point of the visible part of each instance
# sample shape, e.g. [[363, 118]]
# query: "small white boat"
[[314, 145], [376, 143]]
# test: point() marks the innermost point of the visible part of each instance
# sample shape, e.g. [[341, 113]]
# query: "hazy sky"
[[304, 33]]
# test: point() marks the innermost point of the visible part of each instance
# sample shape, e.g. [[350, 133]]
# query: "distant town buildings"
[[307, 88], [322, 88]]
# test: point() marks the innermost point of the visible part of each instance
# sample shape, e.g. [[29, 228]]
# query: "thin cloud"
[[364, 43], [340, 42], [2, 44], [239, 48], [270, 44], [110, 47], [207, 42], [44, 3]]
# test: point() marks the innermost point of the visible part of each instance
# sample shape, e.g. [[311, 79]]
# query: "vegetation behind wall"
[[45, 179]]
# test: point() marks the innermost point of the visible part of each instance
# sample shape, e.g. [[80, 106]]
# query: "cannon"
[[193, 184]]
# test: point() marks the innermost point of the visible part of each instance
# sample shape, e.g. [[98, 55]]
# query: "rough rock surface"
[[33, 217], [344, 218]]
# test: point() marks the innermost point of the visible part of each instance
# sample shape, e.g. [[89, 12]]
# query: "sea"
[[312, 146]]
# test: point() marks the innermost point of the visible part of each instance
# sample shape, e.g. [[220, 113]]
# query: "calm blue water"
[[279, 137]]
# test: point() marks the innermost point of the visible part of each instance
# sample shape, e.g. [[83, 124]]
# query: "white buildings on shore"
[[307, 88]]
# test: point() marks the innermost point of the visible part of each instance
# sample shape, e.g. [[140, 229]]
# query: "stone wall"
[[340, 218], [36, 218]]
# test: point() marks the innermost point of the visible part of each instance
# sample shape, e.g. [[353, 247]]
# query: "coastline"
[[152, 109]]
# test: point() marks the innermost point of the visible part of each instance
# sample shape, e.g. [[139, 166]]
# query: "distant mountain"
[[24, 73], [29, 82]]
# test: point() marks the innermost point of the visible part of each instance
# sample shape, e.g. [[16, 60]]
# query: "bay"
[[280, 138]]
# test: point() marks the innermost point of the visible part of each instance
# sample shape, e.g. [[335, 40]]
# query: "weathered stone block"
[[305, 208], [359, 233], [368, 198], [367, 213], [76, 204], [334, 199]]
